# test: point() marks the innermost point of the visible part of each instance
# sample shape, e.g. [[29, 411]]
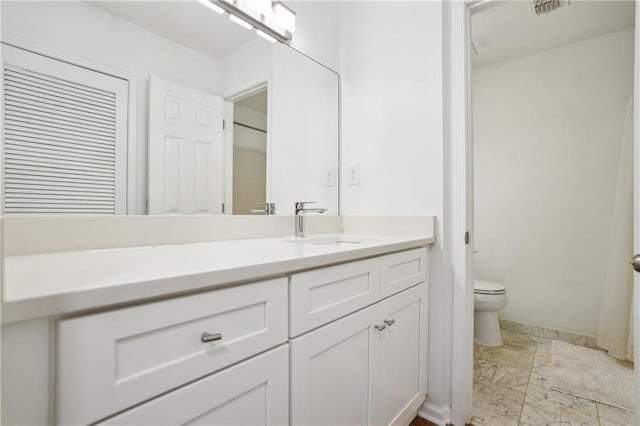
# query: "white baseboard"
[[439, 415]]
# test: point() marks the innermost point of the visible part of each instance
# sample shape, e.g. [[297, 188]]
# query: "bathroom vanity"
[[329, 330]]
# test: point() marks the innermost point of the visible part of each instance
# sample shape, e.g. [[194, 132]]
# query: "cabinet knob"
[[380, 327], [389, 322], [210, 337]]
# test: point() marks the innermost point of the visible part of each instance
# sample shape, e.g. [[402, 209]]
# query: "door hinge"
[[466, 237]]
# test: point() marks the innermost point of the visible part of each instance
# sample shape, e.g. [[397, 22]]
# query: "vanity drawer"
[[323, 295], [113, 360], [399, 271], [254, 392]]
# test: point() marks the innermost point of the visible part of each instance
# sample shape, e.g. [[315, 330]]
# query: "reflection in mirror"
[[160, 107], [250, 153]]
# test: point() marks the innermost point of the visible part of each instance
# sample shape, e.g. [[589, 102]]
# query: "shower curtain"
[[615, 331]]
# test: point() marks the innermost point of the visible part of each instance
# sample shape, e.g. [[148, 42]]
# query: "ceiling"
[[185, 22], [511, 29]]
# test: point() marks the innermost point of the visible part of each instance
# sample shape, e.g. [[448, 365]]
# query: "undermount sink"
[[322, 241]]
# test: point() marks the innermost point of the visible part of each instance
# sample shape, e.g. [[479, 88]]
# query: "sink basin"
[[323, 241]]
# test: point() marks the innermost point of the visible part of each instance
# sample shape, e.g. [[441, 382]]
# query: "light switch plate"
[[330, 176], [352, 174]]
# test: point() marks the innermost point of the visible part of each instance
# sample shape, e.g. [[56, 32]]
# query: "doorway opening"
[[553, 124], [250, 112]]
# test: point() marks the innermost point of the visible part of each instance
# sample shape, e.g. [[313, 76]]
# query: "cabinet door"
[[398, 357], [254, 392], [330, 372]]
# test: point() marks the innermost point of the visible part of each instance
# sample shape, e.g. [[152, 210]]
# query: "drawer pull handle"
[[380, 327], [210, 337], [389, 322]]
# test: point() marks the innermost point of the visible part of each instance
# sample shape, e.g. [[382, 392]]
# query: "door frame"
[[636, 210], [458, 201], [229, 99]]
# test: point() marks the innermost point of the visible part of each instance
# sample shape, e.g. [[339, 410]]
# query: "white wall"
[[392, 106], [547, 134], [391, 97], [91, 35]]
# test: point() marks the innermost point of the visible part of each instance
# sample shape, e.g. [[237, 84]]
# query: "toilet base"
[[486, 329]]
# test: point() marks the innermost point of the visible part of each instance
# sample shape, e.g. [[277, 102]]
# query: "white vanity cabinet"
[[368, 368], [342, 343]]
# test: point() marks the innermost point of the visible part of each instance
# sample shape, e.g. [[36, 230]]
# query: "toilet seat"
[[487, 287]]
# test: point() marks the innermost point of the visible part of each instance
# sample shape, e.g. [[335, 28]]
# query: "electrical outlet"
[[330, 177], [352, 173]]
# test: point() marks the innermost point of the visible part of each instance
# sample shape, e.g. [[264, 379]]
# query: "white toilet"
[[488, 299]]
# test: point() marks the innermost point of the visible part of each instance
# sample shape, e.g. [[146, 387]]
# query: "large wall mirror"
[[160, 107]]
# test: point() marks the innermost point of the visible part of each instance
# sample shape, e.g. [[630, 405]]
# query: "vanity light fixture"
[[285, 16], [208, 4], [266, 36], [240, 22], [276, 21]]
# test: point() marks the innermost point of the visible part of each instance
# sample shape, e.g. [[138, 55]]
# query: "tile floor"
[[510, 387]]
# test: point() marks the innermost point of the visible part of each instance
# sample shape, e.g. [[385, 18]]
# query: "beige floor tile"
[[544, 345], [519, 327], [508, 358], [488, 371], [519, 342], [546, 406], [614, 416], [477, 351], [482, 417], [497, 400], [541, 369], [576, 339]]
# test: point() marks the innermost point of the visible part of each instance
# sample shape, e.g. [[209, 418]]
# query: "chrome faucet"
[[300, 212], [269, 209]]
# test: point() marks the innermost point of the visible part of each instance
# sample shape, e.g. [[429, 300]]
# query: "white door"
[[185, 150], [398, 352], [330, 370], [64, 137], [254, 392]]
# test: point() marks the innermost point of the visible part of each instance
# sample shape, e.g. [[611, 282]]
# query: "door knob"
[[636, 262]]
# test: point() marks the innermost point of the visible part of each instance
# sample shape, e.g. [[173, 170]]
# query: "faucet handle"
[[301, 204]]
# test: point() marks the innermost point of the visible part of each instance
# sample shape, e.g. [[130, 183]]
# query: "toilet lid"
[[487, 287]]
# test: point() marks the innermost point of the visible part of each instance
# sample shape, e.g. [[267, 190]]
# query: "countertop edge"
[[113, 297]]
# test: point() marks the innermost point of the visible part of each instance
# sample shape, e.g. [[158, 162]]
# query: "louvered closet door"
[[65, 137]]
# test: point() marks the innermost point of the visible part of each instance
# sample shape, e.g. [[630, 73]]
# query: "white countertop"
[[59, 283]]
